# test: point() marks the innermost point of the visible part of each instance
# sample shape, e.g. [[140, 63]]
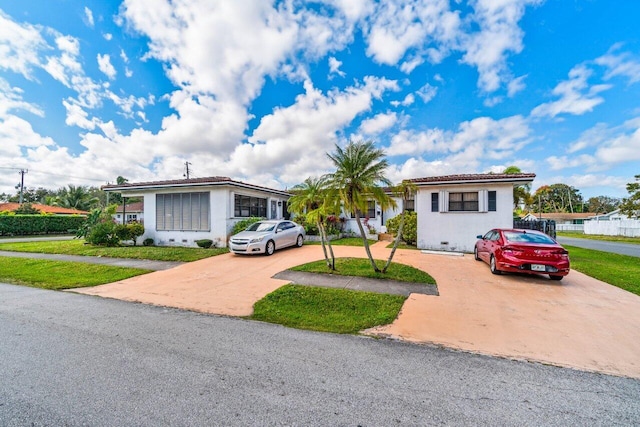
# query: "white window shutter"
[[483, 201], [444, 201]]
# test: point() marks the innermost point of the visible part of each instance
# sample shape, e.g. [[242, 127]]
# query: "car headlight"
[[256, 240]]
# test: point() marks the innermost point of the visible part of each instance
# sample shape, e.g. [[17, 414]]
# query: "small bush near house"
[[103, 234], [410, 229], [135, 230], [148, 241], [243, 224], [204, 243]]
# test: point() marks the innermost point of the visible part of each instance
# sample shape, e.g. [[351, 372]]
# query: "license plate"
[[537, 267]]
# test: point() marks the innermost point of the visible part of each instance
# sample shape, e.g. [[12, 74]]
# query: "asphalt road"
[[68, 359], [599, 245]]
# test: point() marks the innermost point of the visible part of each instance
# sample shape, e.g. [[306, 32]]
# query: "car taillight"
[[510, 250]]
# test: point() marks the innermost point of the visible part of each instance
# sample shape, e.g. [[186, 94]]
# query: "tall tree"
[[602, 204], [631, 205], [360, 172], [312, 200], [558, 198], [75, 197]]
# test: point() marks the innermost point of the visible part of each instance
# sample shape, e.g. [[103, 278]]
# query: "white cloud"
[[408, 100], [19, 46], [516, 85], [11, 100], [499, 34], [483, 136], [575, 95], [334, 67], [378, 123], [124, 56], [17, 133], [427, 92], [620, 64], [104, 64], [88, 17], [107, 36]]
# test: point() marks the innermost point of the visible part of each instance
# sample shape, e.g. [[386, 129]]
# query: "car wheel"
[[475, 254], [270, 248], [300, 241], [493, 265], [554, 277]]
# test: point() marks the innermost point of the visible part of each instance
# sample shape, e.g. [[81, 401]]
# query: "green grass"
[[327, 310], [345, 241], [622, 239], [622, 271], [402, 245], [362, 267], [77, 247], [47, 274]]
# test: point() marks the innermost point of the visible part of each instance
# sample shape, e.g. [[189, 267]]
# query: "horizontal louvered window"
[[182, 212]]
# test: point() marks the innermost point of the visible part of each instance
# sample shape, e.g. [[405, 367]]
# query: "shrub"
[[104, 234], [135, 230], [410, 229], [243, 224], [204, 243], [21, 225], [148, 241]]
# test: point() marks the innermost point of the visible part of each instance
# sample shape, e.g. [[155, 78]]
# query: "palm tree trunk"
[[332, 266], [324, 248], [395, 243], [366, 244]]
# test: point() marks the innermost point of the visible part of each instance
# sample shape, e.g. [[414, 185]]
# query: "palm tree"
[[76, 197], [521, 193], [360, 168], [313, 200], [406, 190]]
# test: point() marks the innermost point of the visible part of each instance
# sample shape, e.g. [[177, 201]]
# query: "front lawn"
[[47, 274], [622, 239], [622, 271], [78, 247], [362, 267], [327, 310]]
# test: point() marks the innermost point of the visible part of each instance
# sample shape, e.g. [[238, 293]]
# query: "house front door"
[[274, 209]]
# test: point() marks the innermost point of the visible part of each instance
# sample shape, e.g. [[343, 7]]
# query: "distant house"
[[54, 210], [131, 212], [179, 212], [560, 218], [611, 216], [453, 209]]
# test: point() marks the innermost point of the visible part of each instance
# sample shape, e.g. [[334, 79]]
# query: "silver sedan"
[[264, 237]]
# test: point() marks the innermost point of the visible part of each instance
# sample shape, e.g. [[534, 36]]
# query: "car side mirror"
[[479, 236]]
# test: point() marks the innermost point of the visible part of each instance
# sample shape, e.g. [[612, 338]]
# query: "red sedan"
[[522, 251]]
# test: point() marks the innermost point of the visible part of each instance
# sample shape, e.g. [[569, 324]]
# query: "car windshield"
[[261, 226], [522, 237]]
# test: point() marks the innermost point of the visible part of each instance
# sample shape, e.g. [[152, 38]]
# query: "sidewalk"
[[144, 264]]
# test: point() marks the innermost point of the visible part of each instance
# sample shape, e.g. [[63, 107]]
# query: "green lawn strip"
[[47, 274], [622, 271], [327, 310], [362, 267], [622, 239], [77, 247], [345, 241], [402, 246]]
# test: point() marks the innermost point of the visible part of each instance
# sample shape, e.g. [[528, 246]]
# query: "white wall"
[[457, 231]]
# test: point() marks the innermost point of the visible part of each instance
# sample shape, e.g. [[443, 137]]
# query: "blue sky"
[[260, 91]]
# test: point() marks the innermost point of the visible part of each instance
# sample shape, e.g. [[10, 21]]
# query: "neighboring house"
[[54, 210], [132, 212], [179, 212], [611, 216], [452, 210], [560, 217]]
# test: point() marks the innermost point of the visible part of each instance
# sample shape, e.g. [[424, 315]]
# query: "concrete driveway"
[[579, 322]]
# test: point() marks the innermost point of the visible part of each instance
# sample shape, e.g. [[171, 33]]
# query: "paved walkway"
[[579, 322], [117, 262]]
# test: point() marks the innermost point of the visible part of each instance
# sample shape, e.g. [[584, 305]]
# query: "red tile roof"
[[478, 177], [131, 207], [44, 209]]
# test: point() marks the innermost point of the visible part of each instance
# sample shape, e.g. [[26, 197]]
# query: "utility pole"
[[22, 172], [186, 164]]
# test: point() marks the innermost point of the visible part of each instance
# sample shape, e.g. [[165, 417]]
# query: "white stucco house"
[[453, 209], [179, 212], [129, 212]]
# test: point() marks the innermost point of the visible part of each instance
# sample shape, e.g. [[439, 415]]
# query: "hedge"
[[21, 225]]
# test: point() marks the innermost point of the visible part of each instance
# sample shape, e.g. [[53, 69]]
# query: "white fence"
[[569, 227], [628, 228]]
